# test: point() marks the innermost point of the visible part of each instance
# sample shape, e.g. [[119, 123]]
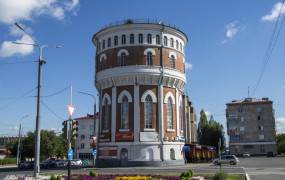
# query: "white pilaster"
[[177, 112], [114, 108], [160, 119], [136, 113]]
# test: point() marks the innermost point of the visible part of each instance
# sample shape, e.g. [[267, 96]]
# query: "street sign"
[[94, 152], [70, 154]]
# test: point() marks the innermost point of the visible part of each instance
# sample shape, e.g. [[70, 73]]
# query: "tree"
[[202, 127], [280, 138]]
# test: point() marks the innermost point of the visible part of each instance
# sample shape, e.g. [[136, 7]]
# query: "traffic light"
[[74, 129], [64, 129]]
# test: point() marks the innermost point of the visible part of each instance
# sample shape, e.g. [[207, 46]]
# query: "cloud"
[[12, 11], [232, 30], [188, 66], [273, 15], [280, 125]]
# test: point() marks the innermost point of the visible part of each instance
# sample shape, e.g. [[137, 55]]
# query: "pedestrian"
[[185, 150]]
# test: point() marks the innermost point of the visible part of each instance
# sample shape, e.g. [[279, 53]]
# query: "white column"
[[160, 120], [177, 113], [114, 110], [136, 113]]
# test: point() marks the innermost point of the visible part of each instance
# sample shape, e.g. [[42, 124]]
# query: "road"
[[261, 168]]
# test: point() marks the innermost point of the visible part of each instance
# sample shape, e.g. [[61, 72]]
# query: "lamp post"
[[95, 127], [41, 62]]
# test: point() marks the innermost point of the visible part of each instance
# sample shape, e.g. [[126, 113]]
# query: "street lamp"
[[96, 125], [41, 61]]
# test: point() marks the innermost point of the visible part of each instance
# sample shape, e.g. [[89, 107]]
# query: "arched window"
[[171, 42], [123, 39], [106, 115], [115, 40], [169, 114], [148, 115], [99, 46], [172, 61], [157, 39], [140, 38], [149, 58], [132, 39], [103, 46], [177, 44], [149, 39], [109, 42], [165, 41], [125, 113], [123, 59], [102, 63]]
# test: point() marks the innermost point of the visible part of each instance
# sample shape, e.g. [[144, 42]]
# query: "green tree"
[[202, 127], [280, 138]]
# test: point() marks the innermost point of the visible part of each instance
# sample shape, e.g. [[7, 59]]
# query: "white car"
[[226, 159], [76, 162]]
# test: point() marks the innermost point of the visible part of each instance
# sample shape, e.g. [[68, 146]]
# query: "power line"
[[56, 93], [271, 46], [51, 111]]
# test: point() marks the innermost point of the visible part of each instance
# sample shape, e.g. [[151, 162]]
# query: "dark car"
[[47, 164], [26, 165]]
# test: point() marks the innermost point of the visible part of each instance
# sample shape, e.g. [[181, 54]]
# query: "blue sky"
[[227, 44]]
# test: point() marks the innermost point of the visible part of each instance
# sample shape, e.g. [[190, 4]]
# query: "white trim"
[[149, 130], [152, 95], [252, 143], [105, 130], [114, 106], [136, 113], [106, 95], [124, 93], [122, 51], [170, 130], [103, 56], [169, 94], [124, 130], [172, 53], [177, 112], [149, 50]]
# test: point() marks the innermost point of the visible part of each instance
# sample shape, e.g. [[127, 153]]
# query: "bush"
[[186, 175], [58, 178], [92, 173], [52, 177], [8, 161], [220, 176]]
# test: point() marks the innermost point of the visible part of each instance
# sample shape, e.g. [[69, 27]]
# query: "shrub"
[[52, 177], [92, 173], [220, 176], [186, 175], [58, 178]]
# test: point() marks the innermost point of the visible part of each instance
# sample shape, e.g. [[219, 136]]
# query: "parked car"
[[49, 163], [245, 155], [26, 165], [61, 163], [226, 159], [270, 154], [76, 162]]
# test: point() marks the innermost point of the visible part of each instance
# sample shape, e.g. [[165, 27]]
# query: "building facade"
[[251, 127], [140, 76], [190, 120]]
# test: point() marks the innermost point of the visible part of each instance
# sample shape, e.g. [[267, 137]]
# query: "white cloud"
[[188, 66], [12, 11], [232, 30], [273, 15], [280, 124]]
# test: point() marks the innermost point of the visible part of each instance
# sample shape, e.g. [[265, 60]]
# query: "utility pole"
[[19, 144], [37, 131]]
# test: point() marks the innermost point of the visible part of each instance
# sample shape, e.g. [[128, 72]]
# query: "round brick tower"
[[140, 76]]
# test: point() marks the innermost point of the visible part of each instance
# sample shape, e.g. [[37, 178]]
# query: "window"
[[172, 61], [171, 42], [109, 42], [103, 44], [102, 63], [115, 40], [82, 137], [242, 128], [148, 112], [99, 46], [180, 46], [169, 114], [260, 128], [165, 41], [157, 39], [106, 115], [261, 137], [123, 59], [125, 113], [181, 116], [258, 118], [123, 39], [177, 44], [82, 145], [149, 39], [140, 38], [132, 39], [149, 58]]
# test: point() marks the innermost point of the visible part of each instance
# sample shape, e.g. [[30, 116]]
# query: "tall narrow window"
[[123, 59], [172, 62], [123, 39], [177, 44], [103, 46], [125, 113], [149, 39], [99, 46], [171, 42], [181, 116], [165, 41], [140, 38], [132, 39], [157, 39], [181, 47], [149, 58], [148, 112], [106, 115], [169, 114], [109, 42], [115, 40]]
